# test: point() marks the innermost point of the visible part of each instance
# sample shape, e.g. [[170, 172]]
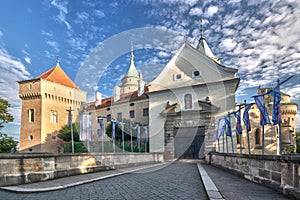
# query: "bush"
[[78, 148]]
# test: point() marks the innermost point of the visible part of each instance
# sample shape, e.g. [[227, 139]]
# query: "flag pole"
[[279, 124], [219, 144], [131, 137], [241, 151], [71, 127], [263, 140], [223, 143], [123, 145]]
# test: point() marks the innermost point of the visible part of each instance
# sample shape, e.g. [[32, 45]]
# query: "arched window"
[[188, 101]]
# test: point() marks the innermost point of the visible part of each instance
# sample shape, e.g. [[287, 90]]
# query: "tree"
[[298, 142], [7, 143], [118, 131], [65, 133], [5, 117]]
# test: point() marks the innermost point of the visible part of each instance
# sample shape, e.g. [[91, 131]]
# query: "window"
[[131, 114], [146, 112], [119, 116], [131, 104], [257, 137], [178, 76], [108, 117], [30, 137], [108, 109], [238, 137], [31, 115], [196, 74], [53, 116], [188, 101]]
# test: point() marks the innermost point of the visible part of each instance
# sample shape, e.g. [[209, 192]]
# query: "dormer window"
[[178, 76], [196, 74]]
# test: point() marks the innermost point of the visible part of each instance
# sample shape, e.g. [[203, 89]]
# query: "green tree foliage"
[[118, 132], [5, 117], [7, 143], [65, 133], [298, 142], [78, 148]]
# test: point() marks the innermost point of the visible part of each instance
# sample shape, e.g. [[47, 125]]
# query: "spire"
[[132, 70], [203, 46], [57, 60]]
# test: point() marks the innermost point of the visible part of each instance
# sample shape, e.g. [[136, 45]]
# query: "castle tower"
[[45, 100], [131, 78]]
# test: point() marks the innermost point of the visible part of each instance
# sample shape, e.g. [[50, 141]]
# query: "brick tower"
[[45, 100]]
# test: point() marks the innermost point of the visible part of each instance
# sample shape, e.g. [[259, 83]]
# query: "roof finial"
[[57, 60], [131, 56], [201, 27]]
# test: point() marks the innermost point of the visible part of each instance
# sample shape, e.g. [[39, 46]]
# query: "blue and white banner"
[[101, 130], [220, 128], [113, 130], [85, 127], [238, 128], [259, 100], [246, 117], [146, 133], [139, 134], [228, 124], [276, 114]]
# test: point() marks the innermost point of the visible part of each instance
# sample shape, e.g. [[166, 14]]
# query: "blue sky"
[[260, 38]]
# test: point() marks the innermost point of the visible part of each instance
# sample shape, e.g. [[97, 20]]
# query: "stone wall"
[[280, 173], [27, 168]]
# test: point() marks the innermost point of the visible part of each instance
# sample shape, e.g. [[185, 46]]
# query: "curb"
[[47, 189], [211, 189]]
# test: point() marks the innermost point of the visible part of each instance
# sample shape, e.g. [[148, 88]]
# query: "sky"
[[260, 38]]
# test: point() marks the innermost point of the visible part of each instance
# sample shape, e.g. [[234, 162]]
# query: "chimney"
[[98, 97], [141, 85], [117, 91]]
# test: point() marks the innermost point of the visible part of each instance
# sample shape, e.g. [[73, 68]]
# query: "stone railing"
[[18, 169], [278, 172]]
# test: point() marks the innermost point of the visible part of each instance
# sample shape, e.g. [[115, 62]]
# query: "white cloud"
[[1, 34], [53, 44], [12, 70], [27, 59], [211, 11], [63, 11], [195, 11]]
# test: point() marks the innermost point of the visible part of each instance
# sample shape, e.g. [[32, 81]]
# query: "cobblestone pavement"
[[235, 188], [179, 180]]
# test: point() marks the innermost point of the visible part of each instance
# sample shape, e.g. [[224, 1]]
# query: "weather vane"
[[57, 60]]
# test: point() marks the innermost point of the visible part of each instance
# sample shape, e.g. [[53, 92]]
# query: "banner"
[[228, 124], [146, 134], [113, 130], [221, 128], [246, 117], [85, 127], [276, 114], [259, 100], [238, 128]]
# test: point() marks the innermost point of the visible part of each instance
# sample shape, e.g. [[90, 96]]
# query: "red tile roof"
[[57, 75]]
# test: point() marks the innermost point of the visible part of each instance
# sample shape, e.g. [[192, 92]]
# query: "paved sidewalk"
[[232, 187], [71, 181]]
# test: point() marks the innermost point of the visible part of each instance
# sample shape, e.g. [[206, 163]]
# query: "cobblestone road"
[[179, 180]]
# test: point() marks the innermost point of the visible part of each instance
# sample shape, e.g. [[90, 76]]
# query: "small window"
[[196, 74], [131, 104], [146, 112], [119, 116], [188, 101], [107, 109], [53, 116], [108, 117], [30, 86], [178, 76], [131, 114], [31, 115], [30, 137]]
